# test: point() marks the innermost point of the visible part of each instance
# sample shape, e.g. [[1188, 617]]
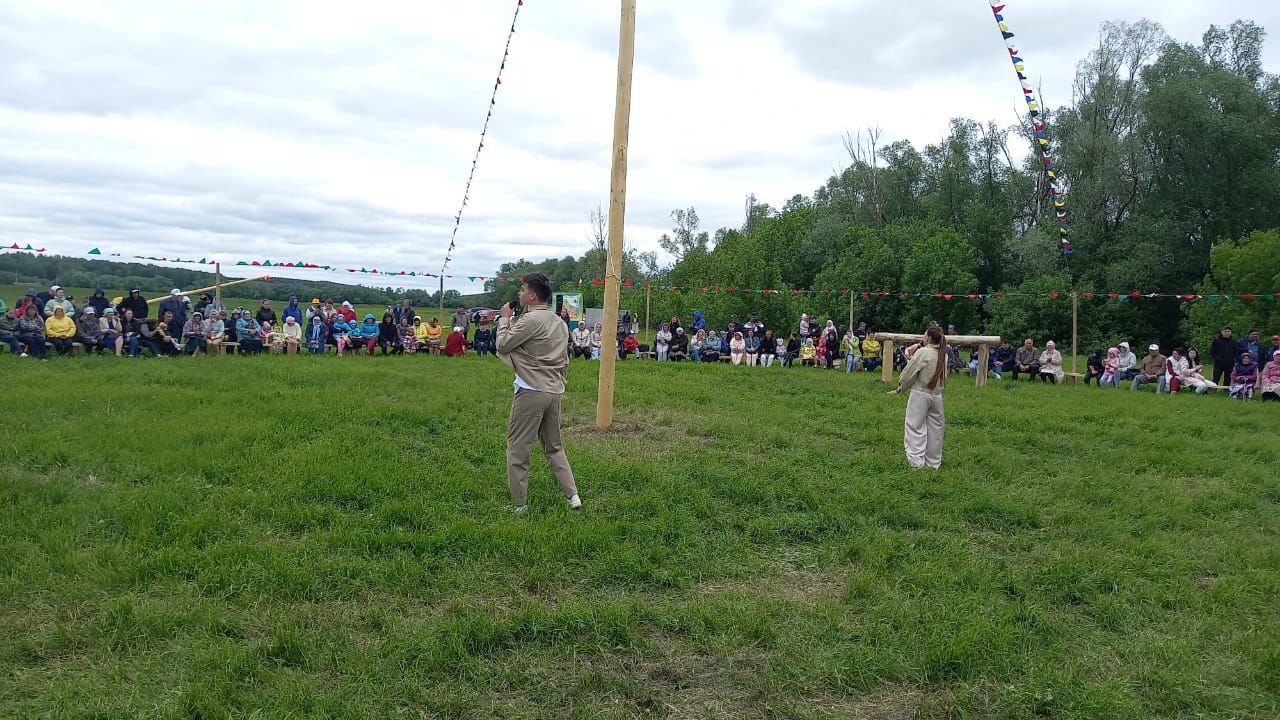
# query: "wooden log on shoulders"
[[910, 339]]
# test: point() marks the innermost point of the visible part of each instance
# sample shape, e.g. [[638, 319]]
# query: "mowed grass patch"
[[324, 537]]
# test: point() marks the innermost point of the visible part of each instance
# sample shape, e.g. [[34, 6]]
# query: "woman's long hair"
[[933, 338]]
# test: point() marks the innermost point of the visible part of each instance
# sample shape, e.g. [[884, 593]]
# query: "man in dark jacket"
[[136, 303], [99, 302], [1251, 344], [1223, 352]]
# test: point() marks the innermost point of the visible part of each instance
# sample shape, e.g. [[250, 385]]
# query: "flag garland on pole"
[[1037, 128], [493, 101]]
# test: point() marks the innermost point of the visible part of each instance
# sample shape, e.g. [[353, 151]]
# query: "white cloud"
[[343, 134]]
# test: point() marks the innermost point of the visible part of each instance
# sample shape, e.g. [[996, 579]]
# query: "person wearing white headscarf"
[[1051, 363]]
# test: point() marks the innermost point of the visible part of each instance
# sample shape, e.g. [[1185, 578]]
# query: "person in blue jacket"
[[293, 309], [699, 323], [316, 335], [340, 331], [248, 334], [369, 332]]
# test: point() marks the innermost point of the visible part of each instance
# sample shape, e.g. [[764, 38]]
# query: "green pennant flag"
[[266, 263], [241, 262], [29, 247], [95, 251]]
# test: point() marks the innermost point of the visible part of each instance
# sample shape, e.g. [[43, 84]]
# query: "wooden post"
[[442, 297], [984, 357], [617, 212], [217, 285], [850, 309], [1075, 314], [646, 320], [886, 361]]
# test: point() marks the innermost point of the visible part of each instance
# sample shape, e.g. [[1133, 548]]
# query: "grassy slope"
[[203, 538]]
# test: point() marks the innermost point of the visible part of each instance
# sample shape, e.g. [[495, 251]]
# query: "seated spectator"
[[316, 333], [1003, 359], [195, 334], [1271, 378], [696, 345], [89, 329], [168, 331], [1094, 367], [1109, 368], [389, 336], [59, 329], [793, 349], [1151, 370], [768, 349], [711, 347], [1127, 369], [433, 336], [9, 331], [340, 334], [1270, 352], [215, 330], [1051, 364], [150, 339], [1175, 367], [821, 355], [752, 344], [1026, 360], [248, 334], [581, 340], [1244, 377], [737, 349], [630, 346], [597, 340], [369, 332], [1194, 376], [808, 353], [112, 332], [132, 328], [849, 345], [619, 338], [661, 342], [456, 344], [679, 349], [871, 359], [31, 332], [486, 338], [291, 332], [269, 335]]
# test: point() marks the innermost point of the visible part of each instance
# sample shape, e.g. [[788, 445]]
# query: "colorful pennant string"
[[1056, 190], [493, 100]]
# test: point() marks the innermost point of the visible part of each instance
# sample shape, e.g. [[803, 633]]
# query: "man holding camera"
[[535, 345]]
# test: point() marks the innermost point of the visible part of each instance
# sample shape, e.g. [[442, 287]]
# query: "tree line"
[[1170, 155]]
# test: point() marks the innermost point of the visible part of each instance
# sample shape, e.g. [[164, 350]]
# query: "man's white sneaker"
[[24, 355], [575, 502], [519, 508]]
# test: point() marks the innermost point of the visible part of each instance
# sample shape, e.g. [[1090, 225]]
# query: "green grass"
[[314, 537]]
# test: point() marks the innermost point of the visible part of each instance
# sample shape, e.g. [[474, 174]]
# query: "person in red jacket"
[[456, 344]]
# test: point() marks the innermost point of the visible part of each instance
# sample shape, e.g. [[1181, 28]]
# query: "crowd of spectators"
[[45, 322]]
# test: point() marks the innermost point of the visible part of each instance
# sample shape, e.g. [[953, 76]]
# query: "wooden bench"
[[222, 347], [76, 349], [1071, 378]]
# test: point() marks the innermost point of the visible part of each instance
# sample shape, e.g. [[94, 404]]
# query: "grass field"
[[312, 537]]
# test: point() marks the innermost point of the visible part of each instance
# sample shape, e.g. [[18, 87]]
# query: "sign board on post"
[[572, 301]]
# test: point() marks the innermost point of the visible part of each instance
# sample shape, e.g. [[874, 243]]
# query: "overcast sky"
[[342, 133]]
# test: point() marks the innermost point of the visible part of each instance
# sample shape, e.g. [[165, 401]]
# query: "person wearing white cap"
[[1151, 370], [89, 330], [59, 300], [174, 304]]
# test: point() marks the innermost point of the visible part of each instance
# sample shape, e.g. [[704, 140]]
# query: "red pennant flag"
[[628, 283], [1188, 297], [1135, 294], [1053, 294], [1248, 296], [1088, 295], [997, 8], [865, 295], [973, 296]]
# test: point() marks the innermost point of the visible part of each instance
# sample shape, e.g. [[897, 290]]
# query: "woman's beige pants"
[[922, 433]]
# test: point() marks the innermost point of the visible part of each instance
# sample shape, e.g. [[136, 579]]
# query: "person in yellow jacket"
[[808, 353], [870, 353], [432, 336], [60, 330]]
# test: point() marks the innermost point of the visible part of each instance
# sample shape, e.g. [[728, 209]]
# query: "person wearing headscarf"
[[291, 334], [597, 340], [737, 349], [389, 335], [434, 336], [340, 333], [1271, 379], [1175, 368], [711, 347], [316, 332], [1127, 367], [348, 312], [248, 333], [195, 334], [31, 332], [1110, 366], [369, 332], [456, 344], [111, 330], [215, 330], [581, 339], [679, 349], [805, 325], [409, 335], [1244, 377], [808, 353], [1051, 364], [696, 345], [9, 331], [662, 343], [925, 424], [849, 345], [59, 329]]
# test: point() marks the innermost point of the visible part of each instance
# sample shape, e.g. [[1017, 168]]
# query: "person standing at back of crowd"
[[535, 346], [173, 304], [461, 319], [136, 303], [925, 424], [1223, 353]]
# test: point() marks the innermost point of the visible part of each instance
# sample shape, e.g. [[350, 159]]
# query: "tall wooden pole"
[[1075, 319], [617, 212], [646, 314], [217, 286], [442, 298], [850, 309]]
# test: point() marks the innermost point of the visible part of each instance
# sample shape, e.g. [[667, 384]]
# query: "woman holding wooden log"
[[924, 376]]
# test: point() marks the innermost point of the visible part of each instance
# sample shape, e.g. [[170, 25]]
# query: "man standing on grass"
[[536, 347]]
